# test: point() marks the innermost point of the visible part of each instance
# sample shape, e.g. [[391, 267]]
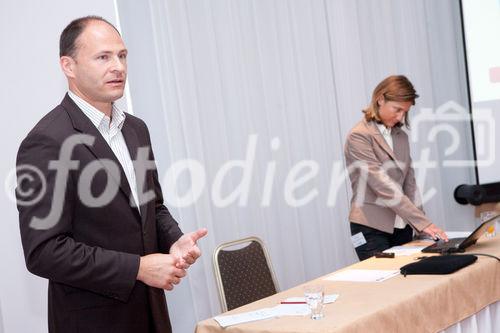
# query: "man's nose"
[[118, 65]]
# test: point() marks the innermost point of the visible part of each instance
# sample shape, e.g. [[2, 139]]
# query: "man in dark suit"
[[90, 205]]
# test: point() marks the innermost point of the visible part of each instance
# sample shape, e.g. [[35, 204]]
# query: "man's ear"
[[68, 66]]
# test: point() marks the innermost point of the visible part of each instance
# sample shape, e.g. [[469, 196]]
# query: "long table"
[[415, 303]]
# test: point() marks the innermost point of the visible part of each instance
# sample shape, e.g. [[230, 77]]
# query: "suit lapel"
[[100, 149], [379, 138], [132, 141], [397, 143]]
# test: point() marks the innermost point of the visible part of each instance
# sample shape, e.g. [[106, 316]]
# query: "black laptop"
[[460, 244]]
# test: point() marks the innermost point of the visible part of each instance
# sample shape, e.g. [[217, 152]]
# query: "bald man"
[[90, 205]]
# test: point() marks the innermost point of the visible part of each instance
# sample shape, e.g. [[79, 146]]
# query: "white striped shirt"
[[110, 130], [386, 133]]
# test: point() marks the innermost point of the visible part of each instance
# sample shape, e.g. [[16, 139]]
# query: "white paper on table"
[[280, 310], [405, 250], [458, 234], [327, 299], [245, 317], [291, 310], [363, 275], [450, 234]]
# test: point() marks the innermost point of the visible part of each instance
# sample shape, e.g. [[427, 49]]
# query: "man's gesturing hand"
[[160, 270], [187, 249]]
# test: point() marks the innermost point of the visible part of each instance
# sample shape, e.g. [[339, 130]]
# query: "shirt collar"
[[97, 117], [384, 130]]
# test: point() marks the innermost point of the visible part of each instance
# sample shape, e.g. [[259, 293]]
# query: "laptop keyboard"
[[452, 243]]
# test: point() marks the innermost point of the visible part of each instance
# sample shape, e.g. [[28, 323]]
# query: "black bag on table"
[[445, 264]]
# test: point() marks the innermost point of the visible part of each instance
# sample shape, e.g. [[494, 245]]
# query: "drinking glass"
[[314, 295]]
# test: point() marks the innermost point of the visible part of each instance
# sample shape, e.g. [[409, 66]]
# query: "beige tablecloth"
[[416, 303]]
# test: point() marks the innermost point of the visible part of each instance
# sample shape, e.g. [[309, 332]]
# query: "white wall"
[[1, 320], [31, 85]]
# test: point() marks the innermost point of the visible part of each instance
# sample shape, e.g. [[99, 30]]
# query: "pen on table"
[[287, 302]]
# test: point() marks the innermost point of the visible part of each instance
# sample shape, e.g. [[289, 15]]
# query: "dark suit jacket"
[[385, 169], [91, 254]]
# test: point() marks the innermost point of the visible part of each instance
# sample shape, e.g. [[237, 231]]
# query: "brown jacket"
[[382, 180]]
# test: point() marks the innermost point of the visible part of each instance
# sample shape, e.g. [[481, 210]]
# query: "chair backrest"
[[243, 273]]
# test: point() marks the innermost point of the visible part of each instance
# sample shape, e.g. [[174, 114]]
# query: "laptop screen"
[[478, 232]]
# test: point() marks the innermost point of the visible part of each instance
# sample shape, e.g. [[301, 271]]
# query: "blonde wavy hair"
[[395, 88]]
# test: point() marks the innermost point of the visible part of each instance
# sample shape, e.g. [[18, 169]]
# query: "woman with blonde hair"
[[384, 205]]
